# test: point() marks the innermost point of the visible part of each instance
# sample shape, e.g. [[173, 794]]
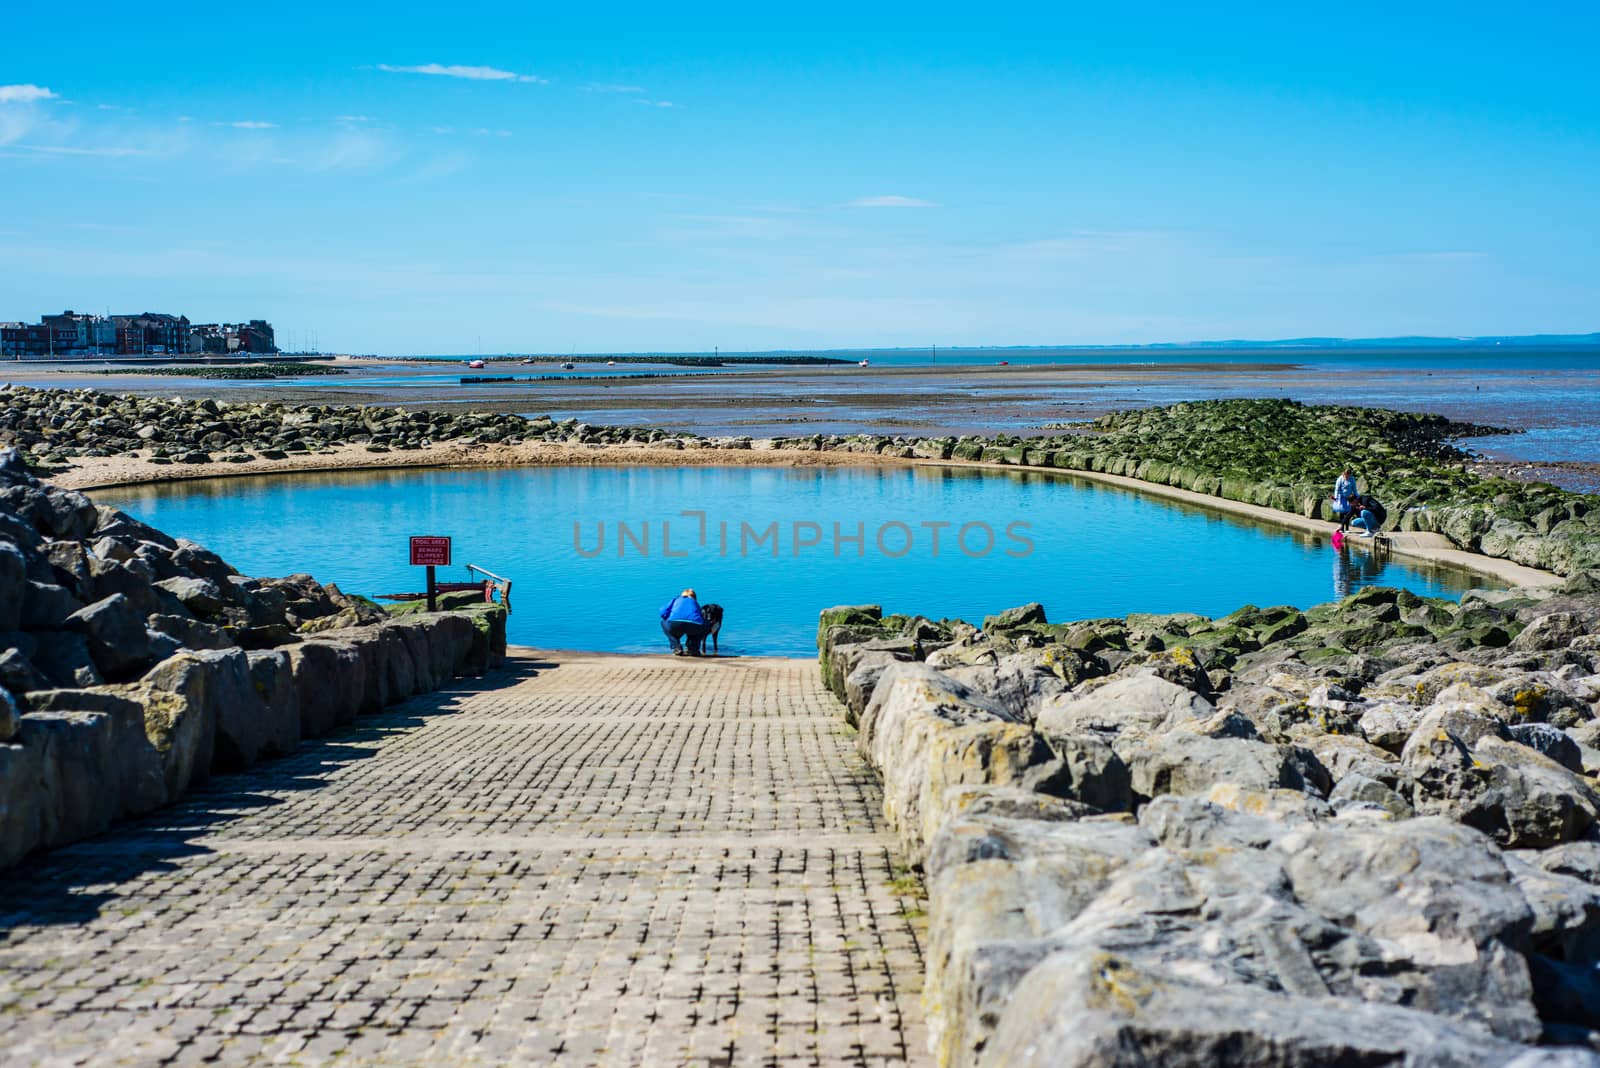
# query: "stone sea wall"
[[1273, 453], [1364, 833], [52, 426], [133, 665], [1285, 455]]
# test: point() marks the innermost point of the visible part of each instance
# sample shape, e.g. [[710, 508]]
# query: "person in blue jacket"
[[682, 620], [1344, 493]]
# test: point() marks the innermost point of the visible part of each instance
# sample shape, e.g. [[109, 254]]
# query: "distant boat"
[[475, 364], [530, 359], [1005, 363], [611, 363], [863, 363], [568, 366]]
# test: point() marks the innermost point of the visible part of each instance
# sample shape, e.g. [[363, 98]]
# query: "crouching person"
[[682, 622], [1370, 515]]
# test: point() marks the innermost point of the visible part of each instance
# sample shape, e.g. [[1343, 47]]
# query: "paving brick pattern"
[[579, 860]]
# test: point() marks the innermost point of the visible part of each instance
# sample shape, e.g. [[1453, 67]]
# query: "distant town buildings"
[[74, 336]]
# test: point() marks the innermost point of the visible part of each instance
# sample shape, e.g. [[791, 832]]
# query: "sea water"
[[594, 552]]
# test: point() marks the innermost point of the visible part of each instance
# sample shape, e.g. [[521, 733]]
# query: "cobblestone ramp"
[[579, 860]]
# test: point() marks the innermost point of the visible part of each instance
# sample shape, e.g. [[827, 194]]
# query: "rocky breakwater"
[[53, 427], [1363, 833], [133, 665], [1284, 455]]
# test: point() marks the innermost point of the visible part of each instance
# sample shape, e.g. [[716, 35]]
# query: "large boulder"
[[849, 656], [329, 683], [1499, 786], [125, 773], [862, 617], [13, 583], [1018, 681], [400, 669], [272, 677], [998, 889], [77, 795], [115, 632], [183, 699], [1529, 800], [1180, 762], [1101, 1010], [221, 680], [419, 653], [1389, 724], [449, 643], [1347, 754], [1241, 939], [1552, 742], [201, 596], [1092, 772], [1440, 902], [926, 733], [373, 652], [863, 680], [64, 660], [1022, 615], [46, 605], [1128, 707], [22, 799]]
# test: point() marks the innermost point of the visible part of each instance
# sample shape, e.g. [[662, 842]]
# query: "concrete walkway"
[[579, 860]]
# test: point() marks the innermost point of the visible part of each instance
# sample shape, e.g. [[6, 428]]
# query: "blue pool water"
[[594, 552]]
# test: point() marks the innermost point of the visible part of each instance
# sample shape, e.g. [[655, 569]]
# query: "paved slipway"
[[580, 859]]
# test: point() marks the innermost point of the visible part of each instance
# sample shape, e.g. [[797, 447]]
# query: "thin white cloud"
[[353, 148], [474, 74], [352, 118], [248, 124], [891, 201], [69, 150], [1093, 245], [474, 131], [656, 103], [601, 87], [25, 94]]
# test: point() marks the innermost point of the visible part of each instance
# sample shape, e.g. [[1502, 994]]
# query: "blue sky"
[[462, 177]]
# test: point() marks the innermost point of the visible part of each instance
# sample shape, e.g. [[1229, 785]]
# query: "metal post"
[[433, 593]]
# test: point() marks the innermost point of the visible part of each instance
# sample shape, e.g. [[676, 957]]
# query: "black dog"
[[713, 617]]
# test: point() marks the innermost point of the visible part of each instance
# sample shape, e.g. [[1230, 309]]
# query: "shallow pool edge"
[[1413, 545]]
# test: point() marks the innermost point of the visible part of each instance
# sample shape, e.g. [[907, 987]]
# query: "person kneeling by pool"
[[682, 620], [1369, 515]]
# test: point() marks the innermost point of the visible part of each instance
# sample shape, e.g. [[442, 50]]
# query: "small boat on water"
[[611, 363], [569, 366], [528, 360], [863, 363], [475, 364]]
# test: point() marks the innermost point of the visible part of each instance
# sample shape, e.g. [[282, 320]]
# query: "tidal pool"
[[595, 551]]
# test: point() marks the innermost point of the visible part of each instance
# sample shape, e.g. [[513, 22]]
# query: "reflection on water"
[[1354, 568], [773, 545]]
